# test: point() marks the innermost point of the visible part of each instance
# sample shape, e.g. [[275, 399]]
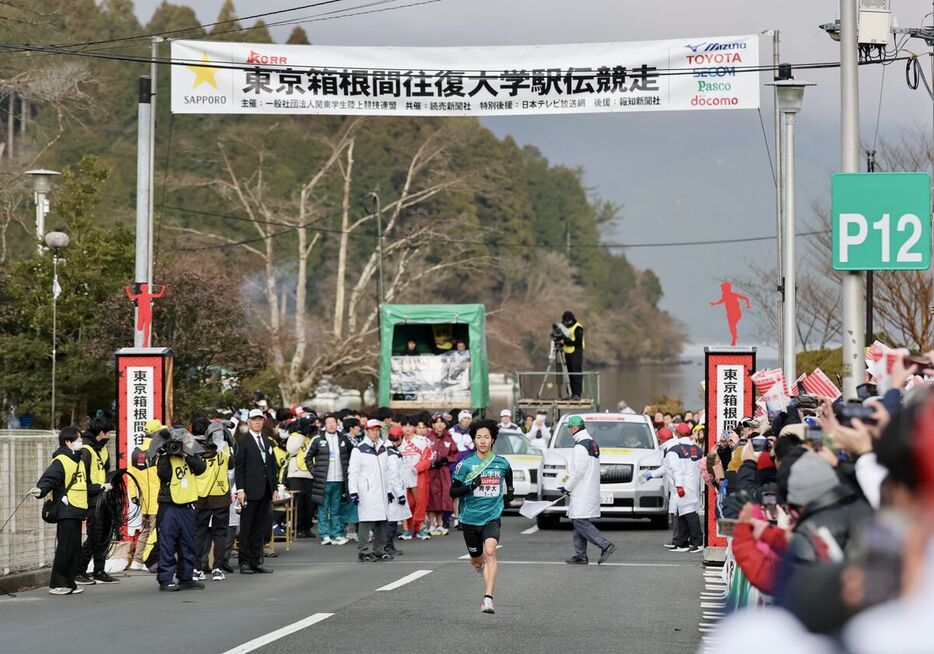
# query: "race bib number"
[[489, 487]]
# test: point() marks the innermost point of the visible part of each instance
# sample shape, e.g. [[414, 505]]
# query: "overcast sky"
[[680, 176]]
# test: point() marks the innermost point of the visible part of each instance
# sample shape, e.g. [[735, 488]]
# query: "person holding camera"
[[65, 479], [177, 466], [145, 475], [573, 346], [213, 505]]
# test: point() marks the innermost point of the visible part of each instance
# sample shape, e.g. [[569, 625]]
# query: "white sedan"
[[526, 463]]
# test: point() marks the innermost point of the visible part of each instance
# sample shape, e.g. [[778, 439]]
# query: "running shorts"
[[476, 535]]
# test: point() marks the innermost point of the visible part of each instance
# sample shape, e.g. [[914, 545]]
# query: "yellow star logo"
[[204, 74]]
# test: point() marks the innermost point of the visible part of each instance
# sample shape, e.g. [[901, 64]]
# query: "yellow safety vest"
[[98, 461], [300, 457], [148, 480], [213, 482], [183, 488], [78, 493], [570, 349]]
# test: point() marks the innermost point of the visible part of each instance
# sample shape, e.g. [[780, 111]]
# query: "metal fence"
[[26, 543]]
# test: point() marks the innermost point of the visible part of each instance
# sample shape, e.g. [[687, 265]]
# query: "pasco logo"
[[260, 58]]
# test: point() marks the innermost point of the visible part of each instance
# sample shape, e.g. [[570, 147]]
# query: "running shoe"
[[434, 531], [696, 549], [487, 606], [198, 575], [405, 535], [84, 580], [218, 575], [170, 587], [65, 591], [679, 549], [456, 522], [326, 540], [607, 553], [137, 565], [577, 559], [352, 537], [104, 578], [669, 546], [423, 534], [340, 540], [442, 531]]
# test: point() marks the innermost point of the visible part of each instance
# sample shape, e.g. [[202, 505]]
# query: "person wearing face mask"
[[96, 462], [65, 478]]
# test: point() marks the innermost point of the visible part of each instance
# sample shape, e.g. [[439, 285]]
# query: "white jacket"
[[686, 475], [539, 436], [666, 470], [368, 477], [584, 478], [294, 446], [394, 464]]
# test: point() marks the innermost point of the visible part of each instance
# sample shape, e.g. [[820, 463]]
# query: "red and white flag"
[[817, 383]]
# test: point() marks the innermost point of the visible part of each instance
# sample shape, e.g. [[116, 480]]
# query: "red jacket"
[[759, 566]]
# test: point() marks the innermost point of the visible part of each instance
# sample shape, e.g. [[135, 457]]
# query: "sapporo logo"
[[204, 74]]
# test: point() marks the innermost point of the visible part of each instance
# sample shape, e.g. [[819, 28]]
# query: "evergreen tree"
[[298, 36]]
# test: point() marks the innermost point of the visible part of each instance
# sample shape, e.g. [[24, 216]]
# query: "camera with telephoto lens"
[[807, 404], [174, 441]]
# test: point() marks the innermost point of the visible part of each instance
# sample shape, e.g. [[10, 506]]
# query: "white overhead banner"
[[216, 77]]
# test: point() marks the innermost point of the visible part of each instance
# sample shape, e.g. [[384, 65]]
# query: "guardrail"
[[26, 543]]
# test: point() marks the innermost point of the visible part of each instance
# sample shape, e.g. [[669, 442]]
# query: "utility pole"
[[854, 364], [778, 195], [154, 75], [870, 168], [143, 218]]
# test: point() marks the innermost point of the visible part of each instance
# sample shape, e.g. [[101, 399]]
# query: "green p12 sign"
[[881, 221]]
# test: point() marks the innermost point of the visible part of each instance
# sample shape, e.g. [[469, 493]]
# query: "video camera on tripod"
[[174, 441]]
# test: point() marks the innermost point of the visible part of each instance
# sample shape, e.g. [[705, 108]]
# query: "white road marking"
[[531, 530], [467, 556], [406, 579], [273, 636]]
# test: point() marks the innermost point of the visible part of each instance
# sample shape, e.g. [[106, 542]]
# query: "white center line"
[[530, 530], [273, 636], [406, 579]]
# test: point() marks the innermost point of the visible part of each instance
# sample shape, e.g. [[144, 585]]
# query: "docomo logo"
[[258, 58], [701, 101], [883, 226]]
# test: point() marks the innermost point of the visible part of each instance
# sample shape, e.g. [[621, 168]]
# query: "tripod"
[[556, 362]]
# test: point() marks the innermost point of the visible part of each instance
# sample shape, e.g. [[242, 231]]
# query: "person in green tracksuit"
[[483, 482]]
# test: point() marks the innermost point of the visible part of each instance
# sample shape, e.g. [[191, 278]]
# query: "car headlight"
[[519, 475]]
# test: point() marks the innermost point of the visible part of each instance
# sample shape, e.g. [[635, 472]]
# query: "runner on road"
[[483, 481]]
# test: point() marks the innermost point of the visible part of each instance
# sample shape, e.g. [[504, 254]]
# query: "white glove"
[[106, 486], [35, 492]]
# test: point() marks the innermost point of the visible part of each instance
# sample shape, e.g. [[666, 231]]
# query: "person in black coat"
[[255, 475], [66, 478], [327, 458]]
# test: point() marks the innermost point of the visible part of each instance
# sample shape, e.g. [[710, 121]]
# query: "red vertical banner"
[[730, 396], [144, 393]]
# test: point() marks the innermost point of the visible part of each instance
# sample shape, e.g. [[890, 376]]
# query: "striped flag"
[[817, 383]]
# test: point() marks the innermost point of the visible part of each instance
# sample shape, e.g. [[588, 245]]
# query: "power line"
[[291, 227], [220, 65]]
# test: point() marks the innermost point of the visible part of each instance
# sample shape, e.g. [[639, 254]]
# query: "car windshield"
[[611, 434], [509, 442]]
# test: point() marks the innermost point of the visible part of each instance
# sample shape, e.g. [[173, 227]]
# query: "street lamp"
[[56, 241], [41, 185], [790, 97]]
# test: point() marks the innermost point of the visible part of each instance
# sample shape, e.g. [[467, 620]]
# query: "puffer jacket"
[[317, 457]]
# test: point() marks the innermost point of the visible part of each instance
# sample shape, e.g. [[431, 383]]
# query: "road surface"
[[645, 600]]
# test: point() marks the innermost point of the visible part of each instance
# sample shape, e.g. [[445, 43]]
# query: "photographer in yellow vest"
[[299, 478], [213, 505], [148, 481], [65, 479], [177, 464], [96, 462], [573, 352]]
